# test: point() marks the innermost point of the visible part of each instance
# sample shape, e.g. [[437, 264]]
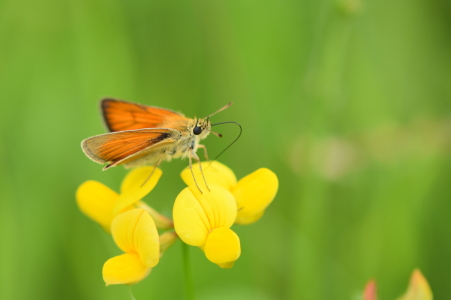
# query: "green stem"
[[189, 287], [131, 293]]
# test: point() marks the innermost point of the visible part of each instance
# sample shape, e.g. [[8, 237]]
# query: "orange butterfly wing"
[[122, 147], [122, 115]]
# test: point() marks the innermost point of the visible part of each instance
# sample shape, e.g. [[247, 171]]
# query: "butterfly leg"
[[151, 173], [205, 151], [191, 169], [200, 167]]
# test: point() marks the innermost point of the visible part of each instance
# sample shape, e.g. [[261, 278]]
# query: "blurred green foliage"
[[347, 101]]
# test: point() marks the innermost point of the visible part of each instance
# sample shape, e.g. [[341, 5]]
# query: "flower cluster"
[[203, 214]]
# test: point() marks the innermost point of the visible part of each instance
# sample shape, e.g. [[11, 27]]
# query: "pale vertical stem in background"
[[189, 286]]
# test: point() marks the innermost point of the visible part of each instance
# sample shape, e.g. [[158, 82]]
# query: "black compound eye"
[[197, 130]]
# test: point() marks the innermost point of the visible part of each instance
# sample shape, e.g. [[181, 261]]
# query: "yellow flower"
[[204, 220], [102, 204], [135, 233], [418, 288], [253, 193], [96, 200]]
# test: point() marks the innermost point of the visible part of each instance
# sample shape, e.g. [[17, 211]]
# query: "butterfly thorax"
[[188, 140]]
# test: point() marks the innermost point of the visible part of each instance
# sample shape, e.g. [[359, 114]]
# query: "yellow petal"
[[418, 288], [124, 269], [134, 231], [245, 219], [228, 265], [135, 179], [254, 193], [96, 200], [136, 185], [222, 247], [215, 174], [195, 214]]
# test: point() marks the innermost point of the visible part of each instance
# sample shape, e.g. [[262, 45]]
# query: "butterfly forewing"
[[116, 147], [122, 115]]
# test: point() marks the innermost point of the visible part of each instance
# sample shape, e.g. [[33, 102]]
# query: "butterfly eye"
[[197, 130]]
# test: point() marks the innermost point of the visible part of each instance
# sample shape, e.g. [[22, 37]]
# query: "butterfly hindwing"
[[118, 147]]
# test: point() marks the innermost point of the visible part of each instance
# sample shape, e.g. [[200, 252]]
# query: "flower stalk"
[[189, 286]]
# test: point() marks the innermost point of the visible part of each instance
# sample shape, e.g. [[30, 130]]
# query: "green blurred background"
[[348, 102]]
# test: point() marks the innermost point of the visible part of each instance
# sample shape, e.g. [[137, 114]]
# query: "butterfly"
[[146, 135]]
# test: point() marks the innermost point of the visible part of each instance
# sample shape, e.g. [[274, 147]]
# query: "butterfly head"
[[201, 128]]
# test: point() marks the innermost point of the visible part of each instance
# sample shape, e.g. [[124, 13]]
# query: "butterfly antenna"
[[219, 110], [215, 133], [241, 131]]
